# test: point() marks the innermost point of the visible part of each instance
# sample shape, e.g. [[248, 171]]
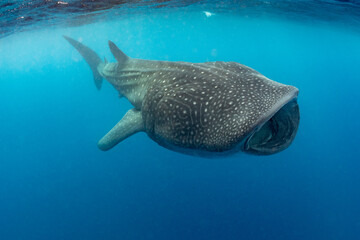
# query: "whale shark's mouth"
[[277, 133]]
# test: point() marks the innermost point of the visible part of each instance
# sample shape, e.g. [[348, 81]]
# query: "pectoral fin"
[[130, 124]]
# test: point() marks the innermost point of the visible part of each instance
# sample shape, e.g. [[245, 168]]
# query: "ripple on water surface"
[[17, 16]]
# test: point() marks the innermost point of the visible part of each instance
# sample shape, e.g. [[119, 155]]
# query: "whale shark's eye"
[[277, 133]]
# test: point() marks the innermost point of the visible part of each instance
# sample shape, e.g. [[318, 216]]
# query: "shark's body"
[[198, 108]]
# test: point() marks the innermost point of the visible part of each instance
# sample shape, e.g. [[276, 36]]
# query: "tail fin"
[[90, 57]]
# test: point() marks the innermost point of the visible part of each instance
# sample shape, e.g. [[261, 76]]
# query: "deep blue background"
[[56, 184]]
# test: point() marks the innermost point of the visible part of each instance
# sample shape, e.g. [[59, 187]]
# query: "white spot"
[[208, 14], [59, 2]]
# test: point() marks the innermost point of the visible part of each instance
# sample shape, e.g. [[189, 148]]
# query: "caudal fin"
[[90, 57]]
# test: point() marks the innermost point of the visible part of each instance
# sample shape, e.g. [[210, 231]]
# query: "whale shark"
[[204, 109]]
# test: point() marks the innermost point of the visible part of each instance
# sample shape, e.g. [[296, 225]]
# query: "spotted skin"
[[195, 107], [204, 106], [210, 106]]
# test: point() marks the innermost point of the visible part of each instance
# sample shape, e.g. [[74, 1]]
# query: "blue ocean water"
[[56, 184]]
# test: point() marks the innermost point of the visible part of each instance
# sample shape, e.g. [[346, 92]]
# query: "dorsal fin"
[[118, 54]]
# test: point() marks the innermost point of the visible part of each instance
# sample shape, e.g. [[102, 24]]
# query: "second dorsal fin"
[[118, 54]]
